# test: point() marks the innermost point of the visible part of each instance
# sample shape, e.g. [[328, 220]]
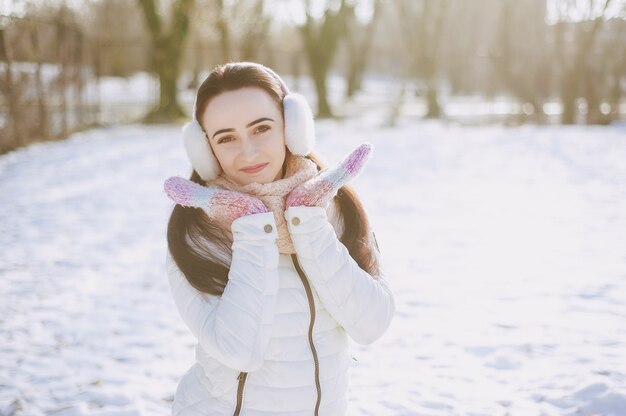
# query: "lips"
[[255, 168]]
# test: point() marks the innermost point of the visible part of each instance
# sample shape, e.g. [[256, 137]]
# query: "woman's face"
[[245, 129]]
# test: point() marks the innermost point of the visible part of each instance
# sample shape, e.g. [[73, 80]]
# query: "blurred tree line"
[[484, 47], [535, 53]]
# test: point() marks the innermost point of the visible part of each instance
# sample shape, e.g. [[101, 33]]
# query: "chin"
[[263, 179]]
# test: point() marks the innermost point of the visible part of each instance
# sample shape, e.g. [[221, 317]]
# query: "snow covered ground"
[[506, 248]]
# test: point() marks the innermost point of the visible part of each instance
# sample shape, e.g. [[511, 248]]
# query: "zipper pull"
[[354, 358]]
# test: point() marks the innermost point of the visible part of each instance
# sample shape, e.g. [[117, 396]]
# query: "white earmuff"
[[299, 124], [199, 151]]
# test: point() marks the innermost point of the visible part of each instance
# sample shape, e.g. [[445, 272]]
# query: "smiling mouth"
[[255, 169]]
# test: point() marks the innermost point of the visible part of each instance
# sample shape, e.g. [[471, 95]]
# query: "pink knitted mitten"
[[320, 189], [219, 204]]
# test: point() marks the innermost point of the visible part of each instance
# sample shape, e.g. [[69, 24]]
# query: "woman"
[[271, 261]]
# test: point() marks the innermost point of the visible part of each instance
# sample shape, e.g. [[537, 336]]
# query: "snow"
[[505, 248]]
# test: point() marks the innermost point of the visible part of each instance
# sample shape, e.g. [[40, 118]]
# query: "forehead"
[[233, 109]]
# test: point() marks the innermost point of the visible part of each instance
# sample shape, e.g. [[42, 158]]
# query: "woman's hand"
[[320, 190], [218, 203]]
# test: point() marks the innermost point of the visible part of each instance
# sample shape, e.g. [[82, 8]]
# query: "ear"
[[199, 151], [299, 124]]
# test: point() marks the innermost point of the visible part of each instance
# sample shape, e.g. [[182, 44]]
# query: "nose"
[[249, 150]]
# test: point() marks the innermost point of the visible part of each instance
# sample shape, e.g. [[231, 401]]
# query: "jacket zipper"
[[309, 295], [242, 380], [242, 376]]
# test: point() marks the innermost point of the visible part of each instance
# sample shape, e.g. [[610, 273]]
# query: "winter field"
[[505, 247]]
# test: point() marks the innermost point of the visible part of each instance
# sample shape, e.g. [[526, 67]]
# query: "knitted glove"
[[218, 203], [320, 189]]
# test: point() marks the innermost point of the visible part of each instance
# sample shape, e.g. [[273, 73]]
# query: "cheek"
[[278, 142], [279, 151], [223, 156]]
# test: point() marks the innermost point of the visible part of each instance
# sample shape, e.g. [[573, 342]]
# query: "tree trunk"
[[579, 67], [422, 28], [62, 42], [615, 94], [320, 44], [434, 110], [323, 108], [568, 101], [222, 28], [39, 85], [166, 54], [257, 34], [13, 96], [360, 52], [167, 67], [354, 82]]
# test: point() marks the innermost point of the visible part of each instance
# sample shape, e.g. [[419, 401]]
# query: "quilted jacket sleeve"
[[235, 327], [364, 305]]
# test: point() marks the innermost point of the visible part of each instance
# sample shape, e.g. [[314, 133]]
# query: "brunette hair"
[[206, 266]]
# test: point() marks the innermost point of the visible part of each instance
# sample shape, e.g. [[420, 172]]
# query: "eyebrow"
[[247, 125]]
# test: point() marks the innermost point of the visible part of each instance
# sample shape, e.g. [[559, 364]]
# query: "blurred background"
[[69, 65], [497, 191]]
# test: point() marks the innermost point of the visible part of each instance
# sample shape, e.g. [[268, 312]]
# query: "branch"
[[153, 21], [181, 18]]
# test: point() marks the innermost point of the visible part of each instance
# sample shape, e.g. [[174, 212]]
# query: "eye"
[[224, 139], [263, 128]]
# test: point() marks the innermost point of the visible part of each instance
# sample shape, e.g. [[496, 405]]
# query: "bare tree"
[[573, 56], [121, 41], [11, 89], [601, 83], [359, 42], [213, 21], [321, 39], [617, 70], [39, 84], [167, 49], [213, 37], [221, 24], [521, 65], [422, 24], [257, 25]]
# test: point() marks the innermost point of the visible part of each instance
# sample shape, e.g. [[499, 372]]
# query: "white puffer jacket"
[[276, 341]]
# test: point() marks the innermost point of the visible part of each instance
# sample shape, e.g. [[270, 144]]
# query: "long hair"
[[189, 229]]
